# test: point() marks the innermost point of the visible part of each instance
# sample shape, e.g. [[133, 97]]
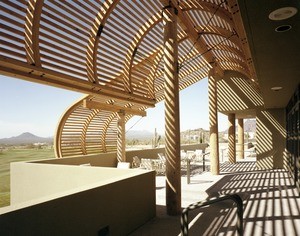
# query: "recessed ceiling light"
[[283, 28], [283, 13], [277, 88]]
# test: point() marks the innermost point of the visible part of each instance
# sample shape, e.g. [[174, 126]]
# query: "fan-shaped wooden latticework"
[[112, 51]]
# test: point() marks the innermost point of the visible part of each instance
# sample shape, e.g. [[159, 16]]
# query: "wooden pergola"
[[126, 56]]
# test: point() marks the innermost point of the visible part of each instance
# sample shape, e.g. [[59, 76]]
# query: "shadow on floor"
[[271, 206]]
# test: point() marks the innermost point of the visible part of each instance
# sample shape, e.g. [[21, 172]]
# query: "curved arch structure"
[[112, 51]]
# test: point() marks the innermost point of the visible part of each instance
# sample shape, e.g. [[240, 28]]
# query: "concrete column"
[[213, 123], [231, 138], [240, 146], [121, 145], [172, 133]]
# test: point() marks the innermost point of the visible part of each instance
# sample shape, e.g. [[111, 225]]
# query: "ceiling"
[[276, 55]]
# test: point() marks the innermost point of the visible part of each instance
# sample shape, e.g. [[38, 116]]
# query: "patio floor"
[[271, 203]]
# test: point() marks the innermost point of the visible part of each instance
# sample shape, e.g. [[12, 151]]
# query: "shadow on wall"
[[251, 93], [270, 139], [233, 101]]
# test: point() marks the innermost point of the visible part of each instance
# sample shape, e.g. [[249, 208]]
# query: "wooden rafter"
[[112, 108], [32, 27], [219, 31], [94, 39], [234, 9], [22, 70], [146, 27], [61, 124], [153, 73], [106, 125], [210, 8], [85, 127], [194, 37]]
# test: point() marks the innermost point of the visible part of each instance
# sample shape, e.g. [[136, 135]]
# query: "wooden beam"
[[113, 108], [21, 70], [239, 26], [94, 39], [200, 45], [141, 33], [32, 27]]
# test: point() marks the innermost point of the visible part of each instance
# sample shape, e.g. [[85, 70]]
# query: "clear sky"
[[36, 108], [193, 112]]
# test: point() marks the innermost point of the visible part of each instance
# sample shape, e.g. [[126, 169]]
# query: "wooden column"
[[213, 123], [172, 133], [240, 146], [121, 154], [231, 138]]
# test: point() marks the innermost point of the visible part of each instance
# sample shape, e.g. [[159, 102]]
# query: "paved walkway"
[[271, 203]]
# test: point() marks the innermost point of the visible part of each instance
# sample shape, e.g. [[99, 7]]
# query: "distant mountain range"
[[250, 125], [29, 138], [25, 138], [139, 134]]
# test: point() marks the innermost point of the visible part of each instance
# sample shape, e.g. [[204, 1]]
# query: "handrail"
[[234, 197]]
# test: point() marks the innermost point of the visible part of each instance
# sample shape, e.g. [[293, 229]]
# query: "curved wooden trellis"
[[112, 51]]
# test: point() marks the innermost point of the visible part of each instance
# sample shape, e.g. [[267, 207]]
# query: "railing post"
[[188, 170], [222, 155]]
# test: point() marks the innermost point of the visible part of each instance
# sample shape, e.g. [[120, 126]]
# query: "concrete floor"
[[271, 203]]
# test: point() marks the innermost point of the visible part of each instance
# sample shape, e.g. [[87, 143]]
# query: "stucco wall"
[[106, 160], [76, 202], [270, 138], [31, 181], [235, 95]]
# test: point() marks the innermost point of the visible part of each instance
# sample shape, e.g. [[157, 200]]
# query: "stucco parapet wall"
[[100, 160], [235, 93], [31, 181], [77, 200]]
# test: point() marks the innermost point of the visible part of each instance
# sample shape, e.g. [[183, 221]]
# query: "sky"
[[36, 108]]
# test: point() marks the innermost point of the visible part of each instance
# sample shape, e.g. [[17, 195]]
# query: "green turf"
[[14, 155]]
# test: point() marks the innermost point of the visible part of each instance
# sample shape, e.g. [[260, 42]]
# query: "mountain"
[[25, 138], [250, 125], [139, 134]]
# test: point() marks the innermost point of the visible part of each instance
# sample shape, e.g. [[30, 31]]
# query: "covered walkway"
[[127, 56], [271, 203]]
